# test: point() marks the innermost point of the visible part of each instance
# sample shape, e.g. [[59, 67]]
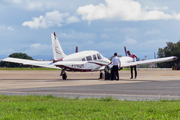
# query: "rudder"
[[57, 50]]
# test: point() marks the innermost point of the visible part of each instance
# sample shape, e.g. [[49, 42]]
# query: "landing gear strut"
[[63, 74]]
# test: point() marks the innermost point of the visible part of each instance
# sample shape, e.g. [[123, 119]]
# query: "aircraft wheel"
[[64, 76], [101, 75]]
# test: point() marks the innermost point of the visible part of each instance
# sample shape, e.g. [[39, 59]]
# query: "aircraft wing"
[[166, 59], [46, 64]]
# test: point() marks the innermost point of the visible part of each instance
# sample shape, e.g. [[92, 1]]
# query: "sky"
[[102, 25]]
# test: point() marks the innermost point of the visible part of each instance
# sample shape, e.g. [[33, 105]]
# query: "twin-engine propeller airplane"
[[85, 61]]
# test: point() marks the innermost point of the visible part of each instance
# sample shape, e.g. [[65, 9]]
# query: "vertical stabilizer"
[[57, 50]]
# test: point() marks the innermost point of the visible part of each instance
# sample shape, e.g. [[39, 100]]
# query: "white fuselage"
[[83, 61]]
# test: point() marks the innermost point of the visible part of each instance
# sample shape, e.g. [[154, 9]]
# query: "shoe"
[[117, 79], [135, 78], [131, 78]]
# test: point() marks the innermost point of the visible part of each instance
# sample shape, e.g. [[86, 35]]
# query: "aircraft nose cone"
[[107, 60]]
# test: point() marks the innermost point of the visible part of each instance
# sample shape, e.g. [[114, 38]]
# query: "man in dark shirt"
[[134, 60]]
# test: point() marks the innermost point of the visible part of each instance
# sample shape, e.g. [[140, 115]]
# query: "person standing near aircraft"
[[116, 61], [134, 60]]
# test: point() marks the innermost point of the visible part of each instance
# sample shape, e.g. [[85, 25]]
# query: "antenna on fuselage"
[[76, 49]]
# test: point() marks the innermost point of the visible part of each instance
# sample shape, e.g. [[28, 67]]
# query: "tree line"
[[172, 49], [14, 65]]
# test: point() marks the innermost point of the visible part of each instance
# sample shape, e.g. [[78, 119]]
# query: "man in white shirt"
[[116, 61], [134, 60]]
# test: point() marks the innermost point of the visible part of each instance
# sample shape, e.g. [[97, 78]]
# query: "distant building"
[[152, 65], [145, 58]]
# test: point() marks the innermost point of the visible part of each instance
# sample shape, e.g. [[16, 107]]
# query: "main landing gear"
[[63, 74], [101, 75]]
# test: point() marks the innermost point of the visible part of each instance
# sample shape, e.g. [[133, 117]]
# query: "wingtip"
[[175, 58]]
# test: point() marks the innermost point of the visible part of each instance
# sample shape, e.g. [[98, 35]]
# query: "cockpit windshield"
[[99, 56]]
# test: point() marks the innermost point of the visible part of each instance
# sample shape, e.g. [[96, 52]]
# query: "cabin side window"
[[99, 56], [94, 57], [83, 59], [89, 58]]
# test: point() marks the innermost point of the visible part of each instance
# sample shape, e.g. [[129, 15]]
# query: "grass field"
[[50, 107]]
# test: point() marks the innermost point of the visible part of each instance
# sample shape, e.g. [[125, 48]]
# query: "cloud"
[[33, 4], [7, 51], [43, 5], [156, 8], [111, 29], [10, 28], [17, 1], [108, 45], [6, 28], [176, 15], [129, 41], [39, 49], [127, 10], [153, 32], [51, 19], [35, 45], [13, 1], [72, 19], [129, 30], [152, 44], [104, 36], [74, 35]]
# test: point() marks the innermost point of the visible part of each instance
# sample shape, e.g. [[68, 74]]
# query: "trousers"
[[114, 72], [134, 71]]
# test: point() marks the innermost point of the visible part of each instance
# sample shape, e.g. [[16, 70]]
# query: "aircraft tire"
[[64, 76], [101, 75]]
